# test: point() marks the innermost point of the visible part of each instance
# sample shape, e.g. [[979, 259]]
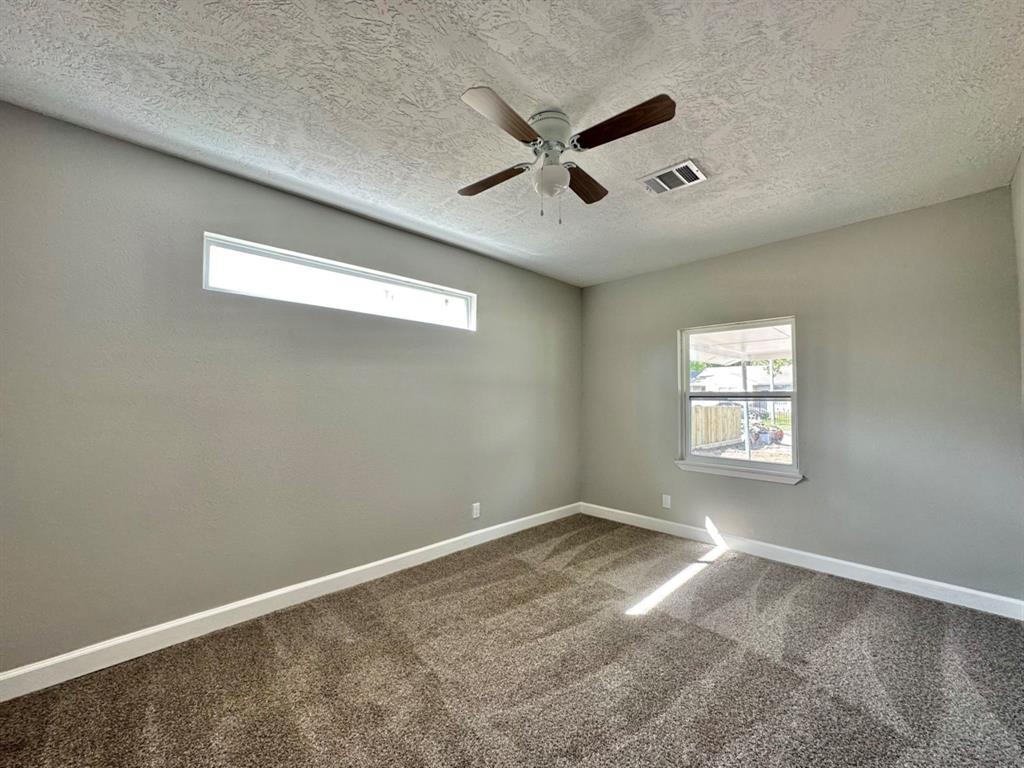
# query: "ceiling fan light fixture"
[[547, 134], [551, 180]]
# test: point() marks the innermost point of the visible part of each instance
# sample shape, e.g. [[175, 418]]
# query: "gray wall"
[[909, 376], [1017, 188], [166, 449]]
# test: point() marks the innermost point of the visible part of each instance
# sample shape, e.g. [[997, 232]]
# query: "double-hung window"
[[738, 400]]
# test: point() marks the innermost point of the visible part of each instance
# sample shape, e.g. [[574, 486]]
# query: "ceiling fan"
[[547, 133]]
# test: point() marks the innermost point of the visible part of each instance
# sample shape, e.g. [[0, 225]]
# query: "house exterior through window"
[[738, 400]]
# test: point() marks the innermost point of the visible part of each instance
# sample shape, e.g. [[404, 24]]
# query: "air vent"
[[675, 177]]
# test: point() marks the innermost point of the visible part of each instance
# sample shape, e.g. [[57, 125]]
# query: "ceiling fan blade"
[[494, 180], [489, 104], [652, 112], [584, 185]]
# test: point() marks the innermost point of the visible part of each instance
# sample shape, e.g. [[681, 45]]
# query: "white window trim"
[[749, 470], [282, 254]]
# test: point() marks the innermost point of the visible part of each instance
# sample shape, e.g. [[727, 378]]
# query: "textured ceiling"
[[806, 115]]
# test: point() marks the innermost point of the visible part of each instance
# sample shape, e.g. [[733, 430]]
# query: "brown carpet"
[[519, 653]]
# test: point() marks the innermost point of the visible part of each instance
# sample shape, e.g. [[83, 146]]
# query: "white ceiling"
[[806, 115]]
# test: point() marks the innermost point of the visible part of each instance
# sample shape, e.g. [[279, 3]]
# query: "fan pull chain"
[[542, 205], [559, 210]]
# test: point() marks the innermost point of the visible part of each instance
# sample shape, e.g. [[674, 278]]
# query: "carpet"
[[520, 652]]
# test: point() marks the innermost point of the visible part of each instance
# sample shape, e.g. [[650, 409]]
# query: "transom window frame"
[[750, 470], [211, 239]]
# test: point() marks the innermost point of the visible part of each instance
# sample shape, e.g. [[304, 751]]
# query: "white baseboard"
[[43, 674], [935, 590], [57, 669]]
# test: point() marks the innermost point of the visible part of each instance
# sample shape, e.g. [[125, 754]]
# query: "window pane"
[[742, 360], [745, 430], [319, 282]]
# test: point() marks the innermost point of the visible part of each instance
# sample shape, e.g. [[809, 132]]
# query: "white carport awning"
[[729, 347]]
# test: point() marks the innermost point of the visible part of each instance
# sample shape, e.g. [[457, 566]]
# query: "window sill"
[[751, 473]]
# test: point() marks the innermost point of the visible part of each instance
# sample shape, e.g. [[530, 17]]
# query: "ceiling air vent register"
[[674, 177]]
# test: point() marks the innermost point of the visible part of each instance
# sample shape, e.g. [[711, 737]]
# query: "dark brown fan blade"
[[652, 112], [489, 104], [584, 185], [493, 181]]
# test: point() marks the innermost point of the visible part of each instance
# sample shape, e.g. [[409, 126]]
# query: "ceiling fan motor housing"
[[553, 128], [551, 179]]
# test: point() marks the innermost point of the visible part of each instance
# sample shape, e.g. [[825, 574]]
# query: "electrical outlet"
[[666, 501], [476, 509]]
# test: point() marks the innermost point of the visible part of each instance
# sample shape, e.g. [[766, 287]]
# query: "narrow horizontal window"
[[251, 269]]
